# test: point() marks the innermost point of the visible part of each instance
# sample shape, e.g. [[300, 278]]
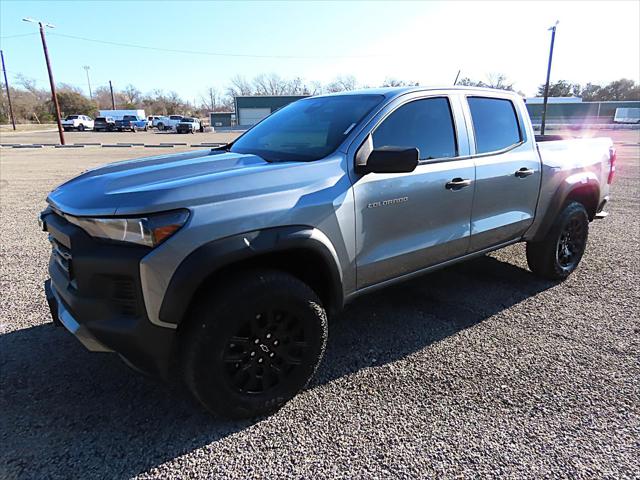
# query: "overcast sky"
[[423, 41]]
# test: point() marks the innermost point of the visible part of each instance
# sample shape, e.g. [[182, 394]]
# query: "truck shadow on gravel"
[[70, 413]]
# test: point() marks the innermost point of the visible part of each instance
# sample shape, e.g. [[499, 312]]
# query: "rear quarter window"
[[495, 124]]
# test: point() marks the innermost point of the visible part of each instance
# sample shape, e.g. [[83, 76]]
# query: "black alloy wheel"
[[571, 244], [265, 351]]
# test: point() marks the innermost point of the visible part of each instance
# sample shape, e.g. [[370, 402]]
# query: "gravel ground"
[[477, 370]]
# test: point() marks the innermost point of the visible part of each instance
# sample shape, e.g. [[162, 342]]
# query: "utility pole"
[[113, 100], [54, 97], [6, 83], [546, 86], [86, 69]]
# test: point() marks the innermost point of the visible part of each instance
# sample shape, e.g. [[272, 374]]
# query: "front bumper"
[[62, 317], [95, 293]]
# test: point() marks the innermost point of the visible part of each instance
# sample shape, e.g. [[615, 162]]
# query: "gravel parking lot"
[[477, 370]]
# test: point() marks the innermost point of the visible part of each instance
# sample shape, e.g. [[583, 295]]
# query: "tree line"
[[33, 104]]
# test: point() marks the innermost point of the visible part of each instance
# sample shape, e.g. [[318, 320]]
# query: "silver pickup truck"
[[222, 266]]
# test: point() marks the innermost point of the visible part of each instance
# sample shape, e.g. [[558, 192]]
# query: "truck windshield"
[[308, 129]]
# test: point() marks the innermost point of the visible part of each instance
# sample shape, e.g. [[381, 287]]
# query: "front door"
[[409, 221]]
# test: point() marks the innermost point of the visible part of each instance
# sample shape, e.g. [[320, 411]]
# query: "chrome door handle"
[[524, 172], [457, 183]]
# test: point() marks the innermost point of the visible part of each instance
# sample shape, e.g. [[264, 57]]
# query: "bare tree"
[[238, 86], [314, 88], [132, 95], [494, 80], [342, 83], [210, 99], [499, 81], [394, 82]]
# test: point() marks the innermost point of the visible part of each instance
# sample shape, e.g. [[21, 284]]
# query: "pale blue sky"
[[423, 41]]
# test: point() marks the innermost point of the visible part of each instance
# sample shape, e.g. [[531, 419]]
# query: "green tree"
[[74, 103], [623, 89], [561, 88], [590, 92]]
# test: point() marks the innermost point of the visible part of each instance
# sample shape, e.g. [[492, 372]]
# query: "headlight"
[[151, 230]]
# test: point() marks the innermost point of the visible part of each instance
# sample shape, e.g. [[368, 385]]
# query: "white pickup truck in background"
[[168, 123], [77, 122]]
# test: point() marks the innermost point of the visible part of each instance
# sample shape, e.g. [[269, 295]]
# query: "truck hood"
[[167, 182]]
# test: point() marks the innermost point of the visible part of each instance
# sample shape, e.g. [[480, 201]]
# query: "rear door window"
[[495, 123], [425, 124]]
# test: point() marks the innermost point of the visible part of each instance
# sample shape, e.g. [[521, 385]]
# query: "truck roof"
[[391, 92]]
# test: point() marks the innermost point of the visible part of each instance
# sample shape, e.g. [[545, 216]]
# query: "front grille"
[[62, 256]]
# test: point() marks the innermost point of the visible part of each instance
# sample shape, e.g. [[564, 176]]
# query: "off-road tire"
[[547, 258], [262, 316]]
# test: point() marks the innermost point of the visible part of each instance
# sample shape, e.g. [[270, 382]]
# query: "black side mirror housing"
[[391, 160]]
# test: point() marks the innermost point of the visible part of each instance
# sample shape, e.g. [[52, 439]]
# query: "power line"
[[212, 54], [4, 37]]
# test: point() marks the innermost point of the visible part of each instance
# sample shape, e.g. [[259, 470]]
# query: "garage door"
[[251, 116]]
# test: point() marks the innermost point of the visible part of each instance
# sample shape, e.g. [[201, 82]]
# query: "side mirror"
[[391, 160]]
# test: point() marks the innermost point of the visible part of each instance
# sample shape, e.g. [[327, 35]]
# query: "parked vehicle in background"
[[169, 123], [627, 115], [119, 114], [222, 265], [104, 124], [188, 125], [132, 123], [159, 120], [77, 122], [152, 120]]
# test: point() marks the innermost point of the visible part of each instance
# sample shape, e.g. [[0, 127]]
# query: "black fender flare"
[[211, 257], [585, 183]]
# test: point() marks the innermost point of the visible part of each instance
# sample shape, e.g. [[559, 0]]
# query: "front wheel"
[[81, 128], [253, 343], [560, 252]]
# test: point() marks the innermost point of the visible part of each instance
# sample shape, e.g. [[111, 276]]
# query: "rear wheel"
[[160, 127], [253, 344], [81, 128], [560, 252]]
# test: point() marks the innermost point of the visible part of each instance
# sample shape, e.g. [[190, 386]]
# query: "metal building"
[[569, 110], [222, 119], [251, 109]]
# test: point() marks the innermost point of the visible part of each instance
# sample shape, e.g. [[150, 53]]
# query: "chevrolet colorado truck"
[[221, 267]]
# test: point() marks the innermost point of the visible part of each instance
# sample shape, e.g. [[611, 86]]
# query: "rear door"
[[409, 221], [508, 172]]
